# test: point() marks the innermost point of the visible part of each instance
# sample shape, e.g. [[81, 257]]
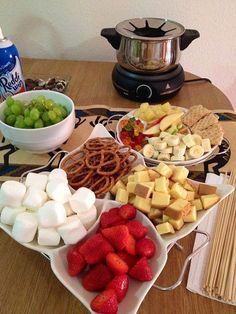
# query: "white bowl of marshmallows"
[[44, 209]]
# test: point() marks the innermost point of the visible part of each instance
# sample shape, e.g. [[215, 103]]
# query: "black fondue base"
[[147, 87]]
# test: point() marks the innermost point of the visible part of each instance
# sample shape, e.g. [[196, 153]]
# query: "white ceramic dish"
[[152, 161], [45, 139], [137, 291]]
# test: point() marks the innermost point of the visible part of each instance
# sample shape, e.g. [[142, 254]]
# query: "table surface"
[[27, 283]]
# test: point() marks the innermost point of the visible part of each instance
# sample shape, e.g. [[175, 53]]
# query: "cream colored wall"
[[70, 29]]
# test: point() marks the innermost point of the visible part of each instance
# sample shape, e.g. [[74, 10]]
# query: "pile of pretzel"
[[98, 165]]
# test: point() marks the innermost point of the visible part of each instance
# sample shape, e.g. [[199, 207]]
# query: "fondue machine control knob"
[[143, 91]]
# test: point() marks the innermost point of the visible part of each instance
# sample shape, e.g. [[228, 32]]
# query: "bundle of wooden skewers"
[[220, 275]]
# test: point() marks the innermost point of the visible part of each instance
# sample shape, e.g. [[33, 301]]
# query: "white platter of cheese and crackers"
[[171, 134]]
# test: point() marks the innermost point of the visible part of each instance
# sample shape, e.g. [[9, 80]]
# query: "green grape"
[[28, 122], [26, 112], [34, 114], [45, 117], [40, 107], [41, 99], [11, 119], [57, 111], [38, 124], [20, 124], [52, 115], [49, 103], [64, 112], [17, 108], [9, 101], [20, 117], [58, 119], [7, 111]]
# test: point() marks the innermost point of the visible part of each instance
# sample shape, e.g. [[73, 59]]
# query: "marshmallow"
[[82, 200], [34, 198], [48, 236], [89, 217], [36, 180], [8, 214], [51, 214], [25, 227], [68, 209], [72, 230], [58, 174], [58, 191], [12, 193]]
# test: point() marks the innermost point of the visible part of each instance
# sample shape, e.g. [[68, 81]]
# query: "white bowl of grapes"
[[37, 121]]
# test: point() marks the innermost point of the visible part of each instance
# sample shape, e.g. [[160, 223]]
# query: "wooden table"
[[27, 284]]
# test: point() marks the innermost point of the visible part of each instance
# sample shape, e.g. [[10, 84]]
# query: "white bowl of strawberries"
[[114, 266]]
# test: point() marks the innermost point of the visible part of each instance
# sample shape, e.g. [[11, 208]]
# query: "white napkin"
[[198, 263]]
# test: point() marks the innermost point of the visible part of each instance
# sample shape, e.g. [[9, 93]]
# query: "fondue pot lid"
[[150, 29]]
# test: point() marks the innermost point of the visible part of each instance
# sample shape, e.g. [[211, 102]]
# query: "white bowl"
[[44, 139]]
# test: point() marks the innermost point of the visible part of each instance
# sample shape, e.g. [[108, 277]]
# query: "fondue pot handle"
[[112, 36], [188, 36]]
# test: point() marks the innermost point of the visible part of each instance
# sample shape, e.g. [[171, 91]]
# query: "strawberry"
[[117, 236], [141, 270], [97, 278], [111, 218], [145, 247], [137, 229], [95, 249], [76, 262], [129, 259], [116, 264], [130, 246], [120, 284], [105, 302], [127, 211]]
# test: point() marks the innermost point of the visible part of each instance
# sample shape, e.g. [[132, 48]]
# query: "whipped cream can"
[[11, 78]]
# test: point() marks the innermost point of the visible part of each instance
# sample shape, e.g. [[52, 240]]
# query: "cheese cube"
[[141, 176], [139, 167], [192, 215], [164, 170], [8, 214], [188, 186], [161, 185], [122, 196], [153, 174], [48, 236], [178, 209], [143, 190], [143, 204], [131, 186], [119, 184], [131, 199], [12, 193], [160, 200], [177, 191], [190, 196], [165, 218], [155, 213], [131, 178], [36, 180], [209, 200], [164, 228], [25, 227], [197, 203], [72, 230], [180, 174], [177, 224]]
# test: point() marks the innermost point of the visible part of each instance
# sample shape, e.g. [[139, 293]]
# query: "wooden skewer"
[[220, 279]]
